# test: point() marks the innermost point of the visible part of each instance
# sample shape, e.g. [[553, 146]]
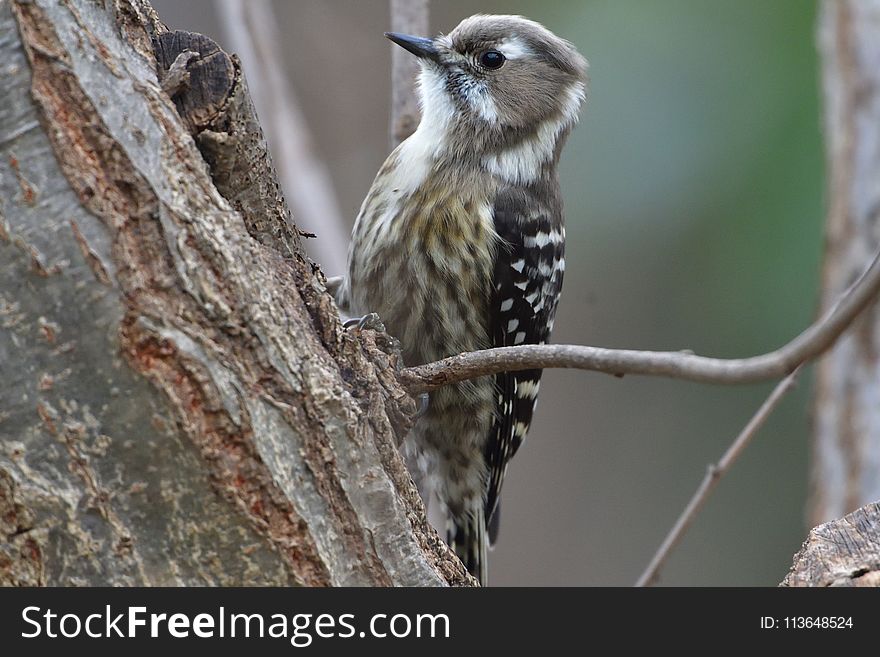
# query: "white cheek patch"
[[575, 95], [522, 163]]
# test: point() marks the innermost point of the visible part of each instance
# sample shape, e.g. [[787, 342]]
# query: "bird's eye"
[[492, 59]]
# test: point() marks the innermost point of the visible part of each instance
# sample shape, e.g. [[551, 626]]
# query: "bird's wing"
[[527, 280]]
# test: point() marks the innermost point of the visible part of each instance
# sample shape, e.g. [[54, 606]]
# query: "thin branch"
[[714, 473], [252, 31], [408, 17], [810, 344], [743, 440]]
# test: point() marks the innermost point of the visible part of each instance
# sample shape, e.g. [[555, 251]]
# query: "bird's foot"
[[370, 322]]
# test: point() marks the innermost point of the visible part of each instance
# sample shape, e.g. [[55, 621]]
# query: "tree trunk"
[[846, 460], [179, 404]]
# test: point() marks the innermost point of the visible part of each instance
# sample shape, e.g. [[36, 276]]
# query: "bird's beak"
[[418, 46]]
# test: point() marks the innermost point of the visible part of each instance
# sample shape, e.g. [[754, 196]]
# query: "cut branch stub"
[[843, 552], [211, 76]]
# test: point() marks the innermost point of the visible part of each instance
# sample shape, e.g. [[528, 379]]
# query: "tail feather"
[[494, 524], [467, 536]]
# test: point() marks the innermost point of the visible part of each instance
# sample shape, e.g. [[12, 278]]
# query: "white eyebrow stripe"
[[514, 48]]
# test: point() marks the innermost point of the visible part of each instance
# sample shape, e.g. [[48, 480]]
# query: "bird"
[[459, 246]]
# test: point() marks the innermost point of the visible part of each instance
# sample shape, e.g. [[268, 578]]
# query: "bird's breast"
[[422, 256]]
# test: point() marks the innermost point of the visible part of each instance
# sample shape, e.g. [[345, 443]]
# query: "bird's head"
[[501, 77]]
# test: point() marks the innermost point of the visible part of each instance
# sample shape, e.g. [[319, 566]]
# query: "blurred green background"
[[694, 196]]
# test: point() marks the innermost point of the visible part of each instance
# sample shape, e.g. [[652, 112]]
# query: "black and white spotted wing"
[[529, 267]]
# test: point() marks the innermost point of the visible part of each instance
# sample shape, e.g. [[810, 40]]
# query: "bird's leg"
[[333, 283], [371, 322]]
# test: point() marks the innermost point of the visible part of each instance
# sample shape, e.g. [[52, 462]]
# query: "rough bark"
[[846, 460], [844, 552], [179, 404]]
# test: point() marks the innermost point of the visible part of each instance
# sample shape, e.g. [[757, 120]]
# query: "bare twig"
[[810, 344], [177, 77], [717, 471], [252, 31], [408, 17], [714, 473]]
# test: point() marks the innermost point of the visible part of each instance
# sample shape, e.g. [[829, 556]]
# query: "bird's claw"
[[424, 400], [370, 321]]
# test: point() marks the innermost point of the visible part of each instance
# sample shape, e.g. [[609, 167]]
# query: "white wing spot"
[[519, 338], [528, 389], [511, 325], [546, 269], [518, 265], [506, 305], [542, 239]]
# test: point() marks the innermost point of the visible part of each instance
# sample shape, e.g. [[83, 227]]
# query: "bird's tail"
[[467, 536]]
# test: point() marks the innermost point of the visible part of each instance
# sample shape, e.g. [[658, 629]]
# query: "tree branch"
[[846, 431], [810, 344], [714, 473], [408, 17], [251, 29], [743, 440]]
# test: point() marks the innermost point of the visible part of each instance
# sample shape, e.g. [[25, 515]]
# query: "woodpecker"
[[458, 246]]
